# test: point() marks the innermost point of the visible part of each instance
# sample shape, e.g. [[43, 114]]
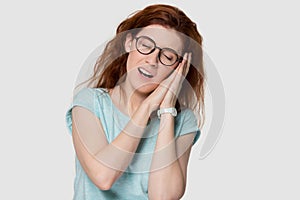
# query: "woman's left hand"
[[175, 83]]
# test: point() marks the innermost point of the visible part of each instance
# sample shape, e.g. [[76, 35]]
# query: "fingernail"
[[185, 56]]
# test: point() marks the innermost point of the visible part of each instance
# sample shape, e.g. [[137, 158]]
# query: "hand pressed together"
[[165, 95]]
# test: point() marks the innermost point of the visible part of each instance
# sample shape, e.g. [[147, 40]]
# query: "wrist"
[[164, 106], [167, 105], [170, 111], [146, 108], [149, 107]]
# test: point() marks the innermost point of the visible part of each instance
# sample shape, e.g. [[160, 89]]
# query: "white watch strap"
[[172, 111]]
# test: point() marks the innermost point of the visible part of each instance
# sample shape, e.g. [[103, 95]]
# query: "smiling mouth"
[[145, 73]]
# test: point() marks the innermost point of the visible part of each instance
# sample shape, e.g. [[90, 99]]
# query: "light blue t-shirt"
[[133, 184]]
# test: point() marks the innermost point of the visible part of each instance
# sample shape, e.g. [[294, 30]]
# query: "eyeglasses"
[[166, 56]]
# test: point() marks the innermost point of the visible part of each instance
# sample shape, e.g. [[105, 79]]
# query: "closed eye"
[[168, 57], [146, 46]]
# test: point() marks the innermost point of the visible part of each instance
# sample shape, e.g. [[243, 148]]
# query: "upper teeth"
[[145, 72]]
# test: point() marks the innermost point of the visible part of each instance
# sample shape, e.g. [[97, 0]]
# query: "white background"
[[254, 45]]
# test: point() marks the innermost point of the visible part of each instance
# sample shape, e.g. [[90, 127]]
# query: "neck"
[[129, 98]]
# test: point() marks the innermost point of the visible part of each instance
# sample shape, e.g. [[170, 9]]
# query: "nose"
[[152, 58]]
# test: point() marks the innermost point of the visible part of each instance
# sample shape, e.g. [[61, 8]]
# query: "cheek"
[[132, 60], [129, 63]]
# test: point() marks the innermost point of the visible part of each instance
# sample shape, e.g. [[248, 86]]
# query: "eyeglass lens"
[[146, 46]]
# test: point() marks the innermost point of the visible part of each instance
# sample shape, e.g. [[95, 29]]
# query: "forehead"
[[163, 37]]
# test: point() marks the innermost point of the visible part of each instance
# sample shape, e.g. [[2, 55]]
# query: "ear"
[[128, 43]]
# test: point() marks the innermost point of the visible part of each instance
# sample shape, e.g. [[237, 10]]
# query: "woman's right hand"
[[155, 99]]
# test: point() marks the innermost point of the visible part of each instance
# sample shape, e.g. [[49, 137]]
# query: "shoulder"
[[100, 91], [87, 98], [89, 91]]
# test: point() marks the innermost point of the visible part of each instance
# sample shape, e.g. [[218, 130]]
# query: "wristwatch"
[[172, 111]]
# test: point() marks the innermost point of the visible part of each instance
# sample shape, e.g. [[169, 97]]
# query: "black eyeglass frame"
[[178, 59]]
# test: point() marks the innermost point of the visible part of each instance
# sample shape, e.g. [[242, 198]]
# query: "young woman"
[[134, 127]]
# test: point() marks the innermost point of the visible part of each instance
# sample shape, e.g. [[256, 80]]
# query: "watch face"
[[174, 112]]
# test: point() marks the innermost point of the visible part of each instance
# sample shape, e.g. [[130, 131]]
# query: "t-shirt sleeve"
[[186, 122], [84, 98]]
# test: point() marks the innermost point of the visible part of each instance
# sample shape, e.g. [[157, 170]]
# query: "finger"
[[166, 83], [188, 64], [173, 75], [172, 82], [178, 76], [183, 66], [185, 58]]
